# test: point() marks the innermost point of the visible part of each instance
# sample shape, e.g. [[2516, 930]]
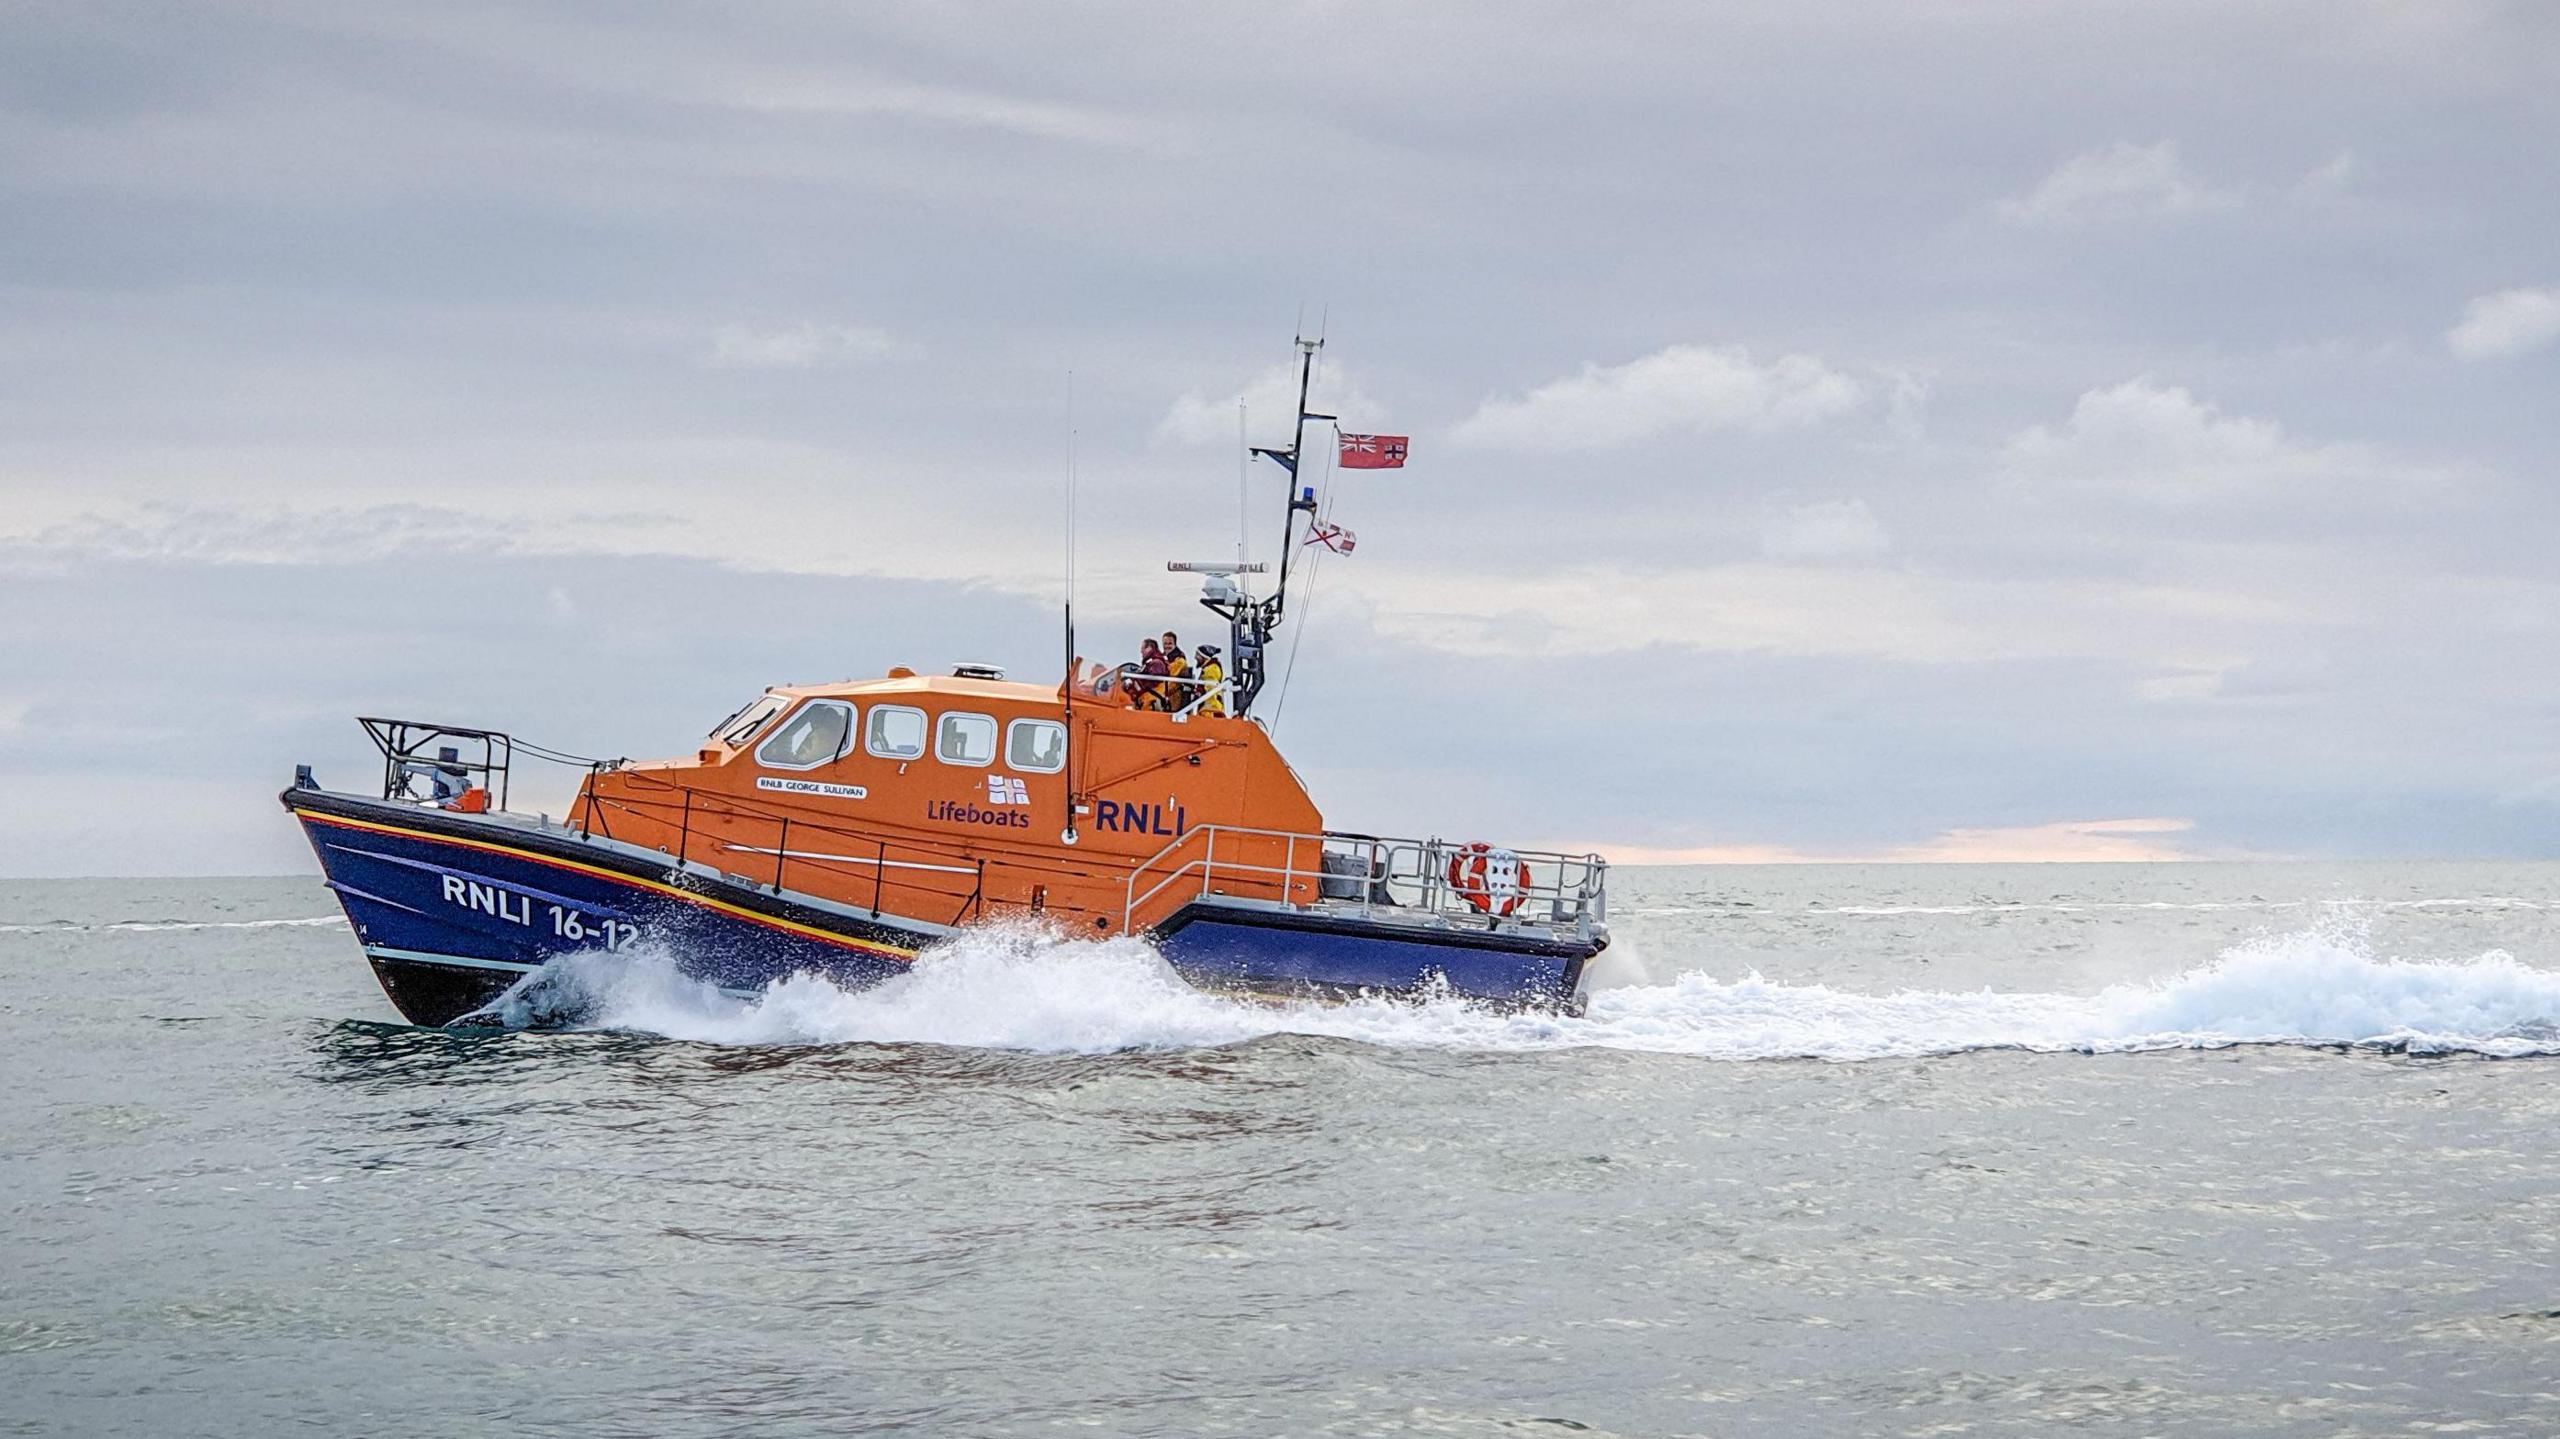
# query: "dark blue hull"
[[1280, 953], [454, 910]]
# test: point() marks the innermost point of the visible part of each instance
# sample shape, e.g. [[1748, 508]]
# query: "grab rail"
[[694, 815], [1119, 679], [404, 742], [1364, 875]]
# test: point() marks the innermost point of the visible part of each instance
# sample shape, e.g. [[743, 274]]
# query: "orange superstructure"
[[947, 799]]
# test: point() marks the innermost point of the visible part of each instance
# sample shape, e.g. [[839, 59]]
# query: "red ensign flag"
[[1373, 452]]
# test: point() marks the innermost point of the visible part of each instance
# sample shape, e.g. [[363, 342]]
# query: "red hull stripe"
[[888, 951]]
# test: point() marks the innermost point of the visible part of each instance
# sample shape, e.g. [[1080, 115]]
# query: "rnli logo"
[[1167, 820], [1005, 789]]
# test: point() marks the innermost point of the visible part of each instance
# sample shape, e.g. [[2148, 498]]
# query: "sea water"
[[2260, 1149]]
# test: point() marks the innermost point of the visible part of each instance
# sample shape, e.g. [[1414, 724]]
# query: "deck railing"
[[1192, 692], [1359, 874], [413, 755], [729, 835]]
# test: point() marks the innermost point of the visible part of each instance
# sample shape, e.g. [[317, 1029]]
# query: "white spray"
[[1022, 989]]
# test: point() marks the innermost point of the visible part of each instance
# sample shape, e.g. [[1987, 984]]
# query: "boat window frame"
[[995, 739], [1013, 764], [924, 736], [742, 726], [844, 746]]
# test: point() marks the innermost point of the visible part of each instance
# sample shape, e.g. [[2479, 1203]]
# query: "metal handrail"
[[1225, 688], [1131, 899], [688, 808], [1573, 892], [700, 805], [401, 741], [1576, 892]]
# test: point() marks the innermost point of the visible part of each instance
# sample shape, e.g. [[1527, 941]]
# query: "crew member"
[[1177, 668], [1212, 674], [1147, 685]]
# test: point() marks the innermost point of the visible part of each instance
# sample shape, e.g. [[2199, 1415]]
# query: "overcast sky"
[[1953, 428]]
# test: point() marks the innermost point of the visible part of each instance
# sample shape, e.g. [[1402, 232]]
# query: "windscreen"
[[742, 724]]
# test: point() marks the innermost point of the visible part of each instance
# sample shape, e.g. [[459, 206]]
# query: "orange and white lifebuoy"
[[1492, 879]]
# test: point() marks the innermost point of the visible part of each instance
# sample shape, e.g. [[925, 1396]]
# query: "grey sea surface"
[[2140, 1150]]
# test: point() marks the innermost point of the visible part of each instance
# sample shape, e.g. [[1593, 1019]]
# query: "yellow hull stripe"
[[889, 951]]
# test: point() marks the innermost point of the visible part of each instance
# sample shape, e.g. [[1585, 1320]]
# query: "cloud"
[[2334, 177], [1896, 614], [2123, 182], [2160, 444], [1742, 853], [1907, 409], [2088, 841], [2082, 841], [1199, 418], [281, 535], [2291, 677], [2506, 324], [1693, 389], [803, 346], [862, 96], [1823, 530]]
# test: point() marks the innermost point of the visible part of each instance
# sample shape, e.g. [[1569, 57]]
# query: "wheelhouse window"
[[742, 724], [966, 739], [895, 732], [819, 733], [1036, 746]]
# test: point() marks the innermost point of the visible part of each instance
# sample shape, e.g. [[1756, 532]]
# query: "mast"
[[1301, 497], [1250, 622]]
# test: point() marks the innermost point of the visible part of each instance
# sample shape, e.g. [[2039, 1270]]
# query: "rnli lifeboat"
[[846, 829]]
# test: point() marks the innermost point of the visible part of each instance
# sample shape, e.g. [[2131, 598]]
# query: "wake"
[[1024, 990]]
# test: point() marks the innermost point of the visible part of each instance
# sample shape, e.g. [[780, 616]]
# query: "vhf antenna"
[[1067, 691]]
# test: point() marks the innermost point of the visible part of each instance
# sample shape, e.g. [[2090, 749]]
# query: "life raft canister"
[[1493, 880]]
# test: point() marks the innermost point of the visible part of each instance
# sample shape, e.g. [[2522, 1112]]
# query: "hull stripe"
[[371, 898], [420, 956], [887, 951], [561, 901]]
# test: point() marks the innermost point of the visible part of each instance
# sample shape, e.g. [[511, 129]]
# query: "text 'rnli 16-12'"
[[566, 923]]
